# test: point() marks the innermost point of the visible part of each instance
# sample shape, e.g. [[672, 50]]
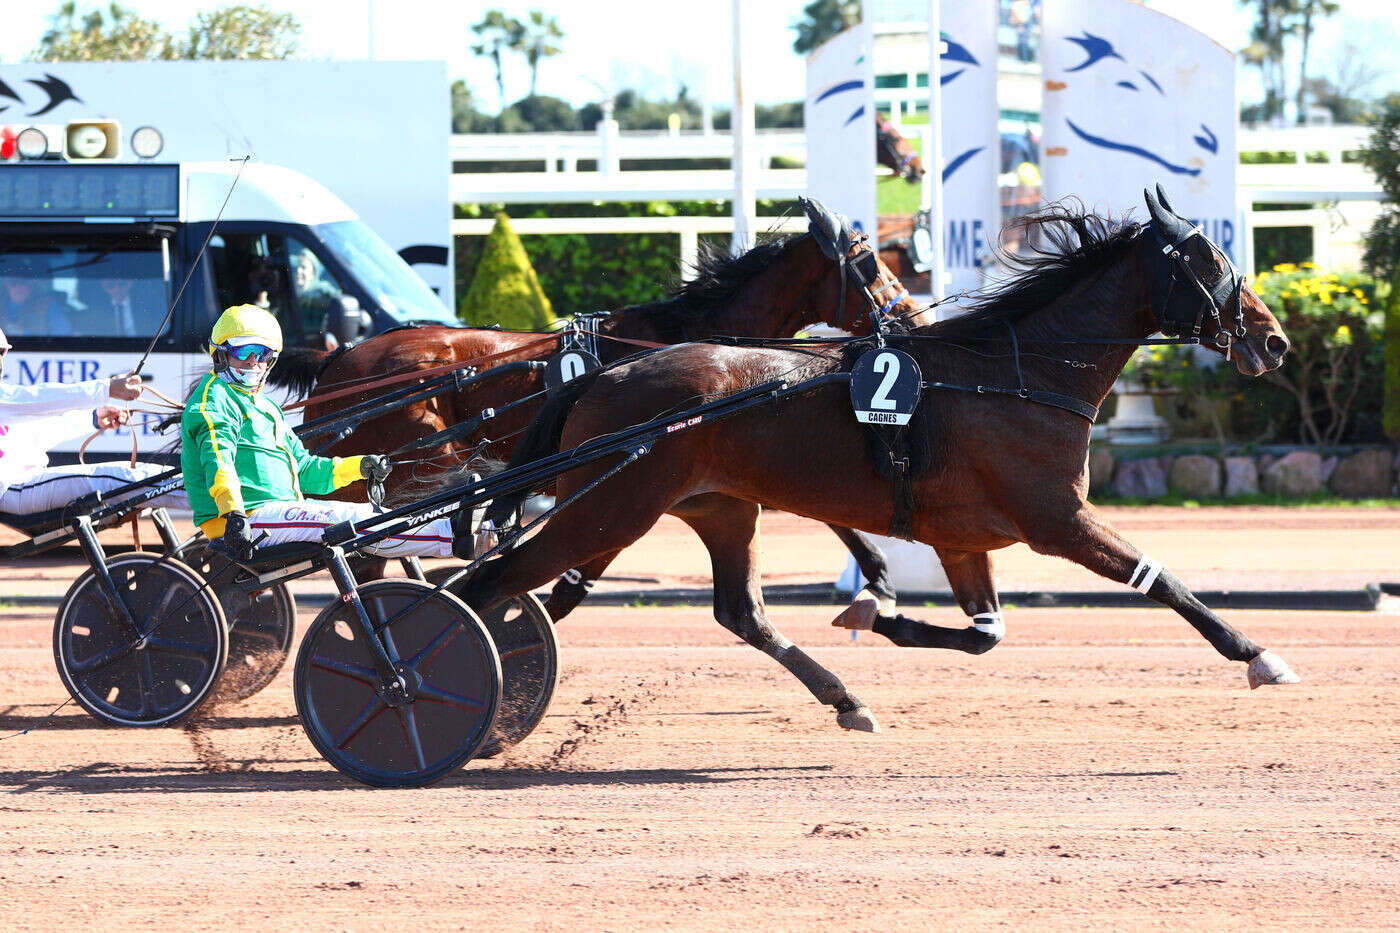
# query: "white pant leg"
[[56, 487], [284, 522]]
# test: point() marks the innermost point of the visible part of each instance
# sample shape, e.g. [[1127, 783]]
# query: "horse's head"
[[896, 153], [1197, 292], [1140, 92], [866, 285]]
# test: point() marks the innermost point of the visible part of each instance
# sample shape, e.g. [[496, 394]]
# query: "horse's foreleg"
[[970, 575], [1088, 540], [729, 529], [877, 597]]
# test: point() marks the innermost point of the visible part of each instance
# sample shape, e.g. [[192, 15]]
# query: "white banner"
[[839, 114], [971, 143], [1132, 98], [374, 133]]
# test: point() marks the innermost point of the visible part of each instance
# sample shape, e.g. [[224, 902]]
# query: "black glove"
[[237, 541], [375, 467]]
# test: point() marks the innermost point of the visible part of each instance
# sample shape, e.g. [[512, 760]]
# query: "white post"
[[690, 252], [707, 115], [745, 162], [933, 159], [607, 145]]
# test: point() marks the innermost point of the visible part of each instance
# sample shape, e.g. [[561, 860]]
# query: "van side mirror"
[[346, 321]]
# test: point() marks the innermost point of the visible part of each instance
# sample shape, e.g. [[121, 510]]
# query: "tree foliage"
[[115, 33], [465, 117], [1382, 157], [242, 32], [539, 114], [505, 289], [822, 19]]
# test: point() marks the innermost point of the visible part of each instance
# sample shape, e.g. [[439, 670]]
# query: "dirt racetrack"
[[1099, 767]]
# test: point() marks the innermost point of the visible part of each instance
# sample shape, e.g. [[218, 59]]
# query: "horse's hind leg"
[[729, 529], [1090, 541], [878, 595], [970, 575], [574, 585]]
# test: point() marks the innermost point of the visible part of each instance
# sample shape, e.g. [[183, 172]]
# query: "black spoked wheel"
[[408, 738], [529, 651], [261, 626], [151, 675]]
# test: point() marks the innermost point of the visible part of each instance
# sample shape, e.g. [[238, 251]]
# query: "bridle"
[[890, 143], [1169, 263], [864, 264]]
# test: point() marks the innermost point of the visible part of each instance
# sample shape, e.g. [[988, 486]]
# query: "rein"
[[416, 374]]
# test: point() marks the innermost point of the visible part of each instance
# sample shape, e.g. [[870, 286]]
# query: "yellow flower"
[[1325, 298], [1308, 265], [1359, 293], [1285, 267]]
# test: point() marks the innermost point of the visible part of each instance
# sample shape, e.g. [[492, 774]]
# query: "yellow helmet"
[[244, 324]]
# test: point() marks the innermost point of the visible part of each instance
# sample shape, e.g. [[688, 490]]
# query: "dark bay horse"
[[896, 153], [1000, 468], [774, 290]]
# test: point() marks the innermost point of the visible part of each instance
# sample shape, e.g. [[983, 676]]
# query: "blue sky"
[[654, 44]]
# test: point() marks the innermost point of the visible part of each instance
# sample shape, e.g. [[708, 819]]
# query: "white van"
[[91, 254]]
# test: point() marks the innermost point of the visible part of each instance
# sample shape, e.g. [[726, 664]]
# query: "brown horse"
[[774, 290], [896, 153], [1000, 468]]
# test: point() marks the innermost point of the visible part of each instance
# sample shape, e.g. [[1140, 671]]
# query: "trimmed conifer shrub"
[[505, 289]]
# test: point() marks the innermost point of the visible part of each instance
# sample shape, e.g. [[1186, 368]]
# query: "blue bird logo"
[[1100, 52]]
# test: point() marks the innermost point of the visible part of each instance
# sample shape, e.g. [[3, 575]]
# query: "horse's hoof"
[[858, 616], [1269, 668], [859, 719]]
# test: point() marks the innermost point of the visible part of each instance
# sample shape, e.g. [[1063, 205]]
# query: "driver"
[[246, 471], [34, 418]]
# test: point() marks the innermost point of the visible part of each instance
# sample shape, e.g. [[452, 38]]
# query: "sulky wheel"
[[151, 675], [525, 640], [398, 738], [260, 626]]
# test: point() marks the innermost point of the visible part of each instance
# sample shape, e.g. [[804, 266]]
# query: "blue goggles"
[[254, 352]]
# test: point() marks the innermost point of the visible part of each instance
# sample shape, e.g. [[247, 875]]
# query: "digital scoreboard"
[[63, 191]]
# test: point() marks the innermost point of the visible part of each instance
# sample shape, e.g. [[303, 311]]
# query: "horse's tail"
[[541, 439], [299, 368]]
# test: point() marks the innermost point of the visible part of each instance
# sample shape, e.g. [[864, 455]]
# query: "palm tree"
[[535, 42], [498, 33], [1307, 9]]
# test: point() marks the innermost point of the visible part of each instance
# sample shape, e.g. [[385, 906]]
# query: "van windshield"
[[382, 273]]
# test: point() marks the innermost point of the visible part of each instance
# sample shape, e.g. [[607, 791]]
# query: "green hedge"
[[598, 272]]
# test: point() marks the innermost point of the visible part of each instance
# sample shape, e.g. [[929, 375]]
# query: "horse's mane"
[[1064, 243], [717, 278]]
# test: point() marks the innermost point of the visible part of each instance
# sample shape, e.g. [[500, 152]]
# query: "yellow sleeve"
[[346, 471]]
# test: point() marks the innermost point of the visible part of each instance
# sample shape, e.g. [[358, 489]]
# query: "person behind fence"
[[247, 473], [37, 417]]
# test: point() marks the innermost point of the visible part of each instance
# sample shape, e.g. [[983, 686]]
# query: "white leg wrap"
[[989, 623], [1145, 574]]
